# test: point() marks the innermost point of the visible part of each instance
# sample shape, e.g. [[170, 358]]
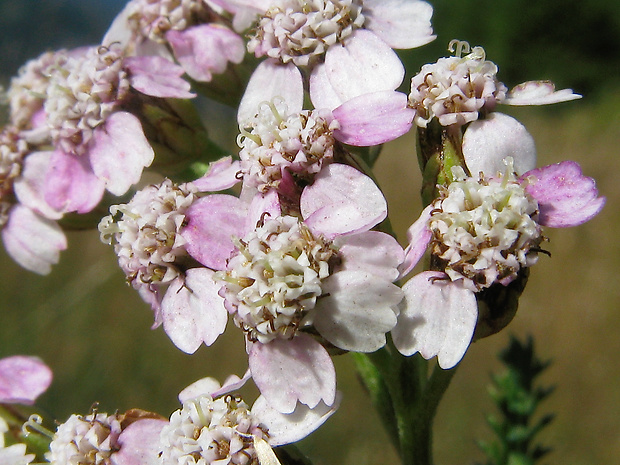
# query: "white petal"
[[32, 241], [288, 428], [192, 310], [291, 371], [419, 237], [371, 251], [364, 64], [120, 153], [400, 23], [359, 310], [437, 318], [342, 200], [487, 143], [270, 80], [538, 93]]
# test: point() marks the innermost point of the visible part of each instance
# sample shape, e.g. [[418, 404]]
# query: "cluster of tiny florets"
[[13, 149], [456, 90], [28, 90], [85, 440], [485, 230], [207, 431], [153, 18], [271, 142], [145, 233], [301, 31], [82, 94], [275, 278]]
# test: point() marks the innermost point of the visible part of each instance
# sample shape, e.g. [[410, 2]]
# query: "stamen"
[[458, 47], [35, 423]]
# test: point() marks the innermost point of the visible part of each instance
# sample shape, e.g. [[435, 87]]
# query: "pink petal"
[[158, 77], [261, 206], [292, 427], [139, 443], [437, 318], [342, 201], [565, 196], [222, 174], [270, 80], [206, 49], [358, 311], [400, 23], [71, 185], [120, 152], [192, 310], [488, 142], [371, 251], [362, 65], [372, 119], [30, 186], [538, 93], [419, 237], [23, 379], [32, 241], [288, 371], [212, 221], [233, 383]]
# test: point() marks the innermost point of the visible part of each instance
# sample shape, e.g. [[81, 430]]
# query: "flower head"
[[483, 232], [207, 430], [460, 89], [215, 425], [319, 269], [195, 31], [85, 440]]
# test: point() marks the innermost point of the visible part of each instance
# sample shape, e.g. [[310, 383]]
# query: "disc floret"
[[208, 431], [301, 31], [485, 230], [275, 278]]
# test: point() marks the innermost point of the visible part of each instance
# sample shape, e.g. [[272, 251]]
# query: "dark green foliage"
[[517, 395]]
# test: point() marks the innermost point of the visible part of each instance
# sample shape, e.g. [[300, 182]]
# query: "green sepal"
[[228, 87], [439, 149]]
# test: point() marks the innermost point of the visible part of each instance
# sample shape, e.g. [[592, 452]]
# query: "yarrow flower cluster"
[[85, 440], [303, 31], [456, 89], [207, 430], [290, 239], [484, 231], [275, 279], [275, 141], [145, 233]]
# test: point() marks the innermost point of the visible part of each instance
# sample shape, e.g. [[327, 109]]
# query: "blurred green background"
[[94, 332]]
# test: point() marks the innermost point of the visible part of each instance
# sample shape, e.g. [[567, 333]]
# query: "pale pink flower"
[[281, 275], [281, 142], [192, 32], [215, 425], [482, 231], [465, 89], [28, 225], [98, 145], [345, 44], [154, 256]]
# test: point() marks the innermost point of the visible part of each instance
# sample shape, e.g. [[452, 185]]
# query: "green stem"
[[406, 399]]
